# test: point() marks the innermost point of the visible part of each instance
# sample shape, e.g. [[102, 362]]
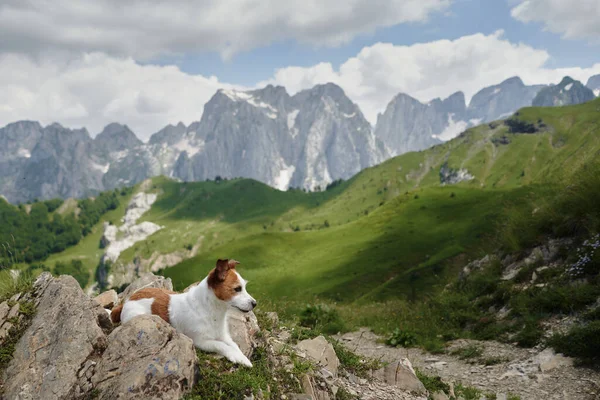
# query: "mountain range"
[[304, 141]]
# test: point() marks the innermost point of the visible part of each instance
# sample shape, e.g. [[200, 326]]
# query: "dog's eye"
[[238, 289]]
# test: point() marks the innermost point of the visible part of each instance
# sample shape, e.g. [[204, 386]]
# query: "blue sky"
[[148, 64], [464, 17]]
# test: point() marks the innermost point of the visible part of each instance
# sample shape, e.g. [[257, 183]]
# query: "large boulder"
[[322, 352], [145, 359], [402, 375], [243, 328], [65, 333], [107, 299]]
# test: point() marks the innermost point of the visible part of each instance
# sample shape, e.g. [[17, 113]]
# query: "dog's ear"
[[223, 266]]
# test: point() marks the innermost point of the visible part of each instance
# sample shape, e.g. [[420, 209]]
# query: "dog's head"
[[229, 286]]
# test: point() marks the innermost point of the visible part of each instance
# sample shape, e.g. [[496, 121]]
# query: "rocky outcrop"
[[145, 358], [322, 352], [45, 364], [594, 84], [499, 101], [567, 92], [118, 239]]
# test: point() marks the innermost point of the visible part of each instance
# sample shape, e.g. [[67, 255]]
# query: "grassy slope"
[[382, 242]]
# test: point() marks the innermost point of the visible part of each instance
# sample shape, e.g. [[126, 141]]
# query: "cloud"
[[95, 89], [428, 70], [574, 20], [143, 30]]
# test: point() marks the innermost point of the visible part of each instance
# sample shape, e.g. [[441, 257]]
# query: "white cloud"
[[96, 89], [142, 29], [428, 70], [574, 20]]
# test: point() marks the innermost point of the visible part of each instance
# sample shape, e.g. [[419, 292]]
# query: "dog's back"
[[145, 301]]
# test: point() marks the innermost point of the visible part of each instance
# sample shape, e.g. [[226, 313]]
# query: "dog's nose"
[[253, 303]]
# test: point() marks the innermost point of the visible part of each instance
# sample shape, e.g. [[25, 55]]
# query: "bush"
[[402, 338], [582, 342], [322, 318]]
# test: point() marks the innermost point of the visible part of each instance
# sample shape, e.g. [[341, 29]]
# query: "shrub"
[[582, 342], [322, 318], [402, 338]]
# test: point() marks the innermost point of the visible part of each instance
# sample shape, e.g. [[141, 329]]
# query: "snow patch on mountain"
[[597, 92], [188, 146], [101, 168], [497, 90], [282, 181], [452, 130], [24, 153]]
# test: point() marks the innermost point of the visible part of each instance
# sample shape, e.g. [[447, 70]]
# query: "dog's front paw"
[[240, 359]]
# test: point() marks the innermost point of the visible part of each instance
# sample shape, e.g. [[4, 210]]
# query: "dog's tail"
[[115, 314]]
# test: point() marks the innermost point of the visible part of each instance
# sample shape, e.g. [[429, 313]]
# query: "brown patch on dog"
[[223, 280], [160, 305], [115, 314]]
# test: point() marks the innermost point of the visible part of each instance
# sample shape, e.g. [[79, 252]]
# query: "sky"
[[149, 63]]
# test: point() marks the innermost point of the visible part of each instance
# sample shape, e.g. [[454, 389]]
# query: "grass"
[[9, 285], [468, 352], [220, 380]]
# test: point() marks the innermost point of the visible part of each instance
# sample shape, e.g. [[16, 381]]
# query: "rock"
[[549, 360], [146, 358], [147, 280], [107, 299], [321, 351], [4, 330], [439, 396], [273, 319], [63, 335], [300, 396], [14, 311], [401, 374], [243, 328], [4, 309]]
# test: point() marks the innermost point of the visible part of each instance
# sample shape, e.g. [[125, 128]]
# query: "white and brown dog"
[[201, 312]]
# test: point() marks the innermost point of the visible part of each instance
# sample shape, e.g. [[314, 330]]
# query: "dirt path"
[[529, 373]]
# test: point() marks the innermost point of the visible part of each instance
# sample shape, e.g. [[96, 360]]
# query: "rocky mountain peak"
[[594, 84], [116, 137], [568, 91]]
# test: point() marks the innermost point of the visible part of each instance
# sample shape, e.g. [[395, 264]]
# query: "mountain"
[[306, 140], [498, 101], [594, 84], [409, 125], [50, 162], [567, 92]]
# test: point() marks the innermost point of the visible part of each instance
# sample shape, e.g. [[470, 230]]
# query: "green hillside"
[[391, 235]]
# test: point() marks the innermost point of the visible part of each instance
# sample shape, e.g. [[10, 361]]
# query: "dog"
[[201, 312]]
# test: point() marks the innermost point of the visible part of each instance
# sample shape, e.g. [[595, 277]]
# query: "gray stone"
[[107, 299], [146, 358], [4, 330], [321, 351], [147, 280], [548, 360], [243, 328], [4, 308], [439, 396], [62, 336], [14, 311], [401, 374]]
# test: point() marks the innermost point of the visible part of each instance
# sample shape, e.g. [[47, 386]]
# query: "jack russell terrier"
[[200, 313]]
